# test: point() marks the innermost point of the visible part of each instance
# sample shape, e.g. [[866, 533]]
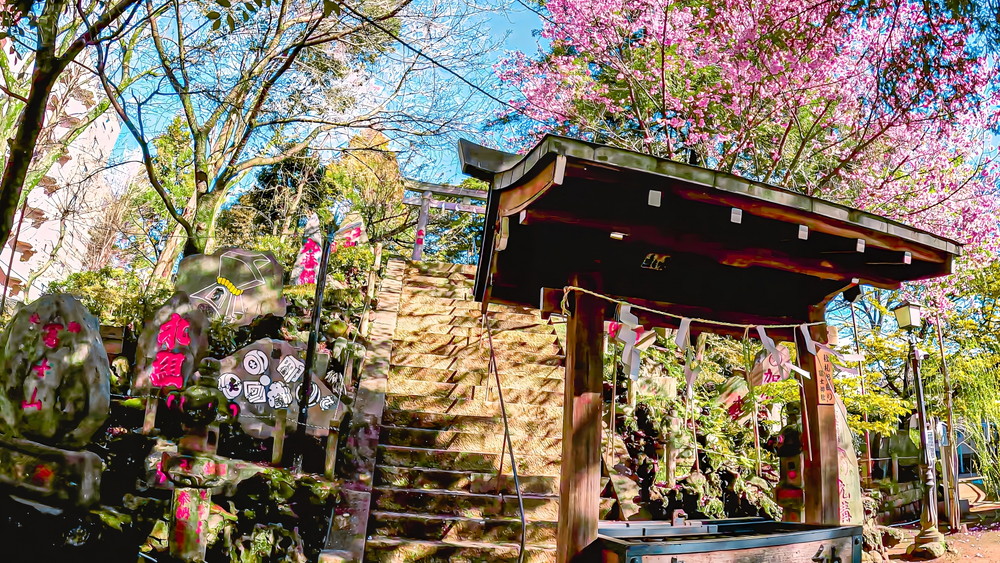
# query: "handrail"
[[508, 445]]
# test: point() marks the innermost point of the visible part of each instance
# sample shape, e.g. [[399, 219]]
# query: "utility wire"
[[434, 62]]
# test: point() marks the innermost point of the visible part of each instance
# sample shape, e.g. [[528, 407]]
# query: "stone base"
[[927, 551], [48, 474]]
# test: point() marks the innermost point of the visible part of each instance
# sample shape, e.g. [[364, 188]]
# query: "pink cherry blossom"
[[820, 97]]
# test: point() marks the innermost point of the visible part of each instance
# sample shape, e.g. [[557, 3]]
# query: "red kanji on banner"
[[351, 237], [309, 263], [173, 332], [167, 369], [310, 247], [736, 409]]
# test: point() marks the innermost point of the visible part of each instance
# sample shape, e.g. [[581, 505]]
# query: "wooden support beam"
[[722, 252], [821, 474], [551, 304], [580, 477], [817, 224]]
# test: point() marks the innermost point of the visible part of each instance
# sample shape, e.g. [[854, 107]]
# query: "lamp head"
[[908, 315]]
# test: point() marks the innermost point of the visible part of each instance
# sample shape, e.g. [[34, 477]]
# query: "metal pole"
[[306, 388], [425, 209], [10, 263], [929, 532], [861, 377], [951, 489]]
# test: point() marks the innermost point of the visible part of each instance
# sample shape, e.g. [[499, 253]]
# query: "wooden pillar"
[[820, 475], [580, 477]]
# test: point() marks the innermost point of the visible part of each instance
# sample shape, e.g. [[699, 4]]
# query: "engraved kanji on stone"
[[51, 336], [174, 332], [167, 369], [34, 403], [42, 368]]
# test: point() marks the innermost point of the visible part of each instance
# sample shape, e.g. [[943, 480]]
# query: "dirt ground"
[[980, 543]]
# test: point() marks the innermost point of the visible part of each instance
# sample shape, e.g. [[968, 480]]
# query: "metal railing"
[[508, 444]]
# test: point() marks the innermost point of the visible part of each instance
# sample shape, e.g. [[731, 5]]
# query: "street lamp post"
[[929, 540]]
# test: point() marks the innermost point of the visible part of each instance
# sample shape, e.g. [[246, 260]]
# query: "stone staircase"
[[436, 494]]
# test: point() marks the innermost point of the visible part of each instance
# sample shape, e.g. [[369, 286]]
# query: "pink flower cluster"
[[883, 108]]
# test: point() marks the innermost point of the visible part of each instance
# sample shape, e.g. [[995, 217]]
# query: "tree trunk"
[[22, 145], [292, 211], [165, 262], [172, 249]]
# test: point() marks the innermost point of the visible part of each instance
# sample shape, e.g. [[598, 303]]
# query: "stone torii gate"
[[687, 240], [426, 202]]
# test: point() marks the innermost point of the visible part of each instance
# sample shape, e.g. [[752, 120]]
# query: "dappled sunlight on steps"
[[437, 495]]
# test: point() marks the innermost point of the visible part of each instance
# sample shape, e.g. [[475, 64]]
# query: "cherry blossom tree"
[[883, 105]]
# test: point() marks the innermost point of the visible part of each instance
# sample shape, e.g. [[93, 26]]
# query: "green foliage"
[[976, 381], [115, 296]]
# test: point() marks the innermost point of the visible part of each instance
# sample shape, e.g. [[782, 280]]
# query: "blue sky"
[[522, 25], [518, 26]]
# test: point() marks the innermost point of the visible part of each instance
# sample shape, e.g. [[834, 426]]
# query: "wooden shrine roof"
[[682, 238]]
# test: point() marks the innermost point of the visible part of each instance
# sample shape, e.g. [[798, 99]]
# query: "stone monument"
[[238, 285], [55, 393]]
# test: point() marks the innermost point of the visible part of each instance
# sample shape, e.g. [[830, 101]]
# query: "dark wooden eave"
[[562, 201]]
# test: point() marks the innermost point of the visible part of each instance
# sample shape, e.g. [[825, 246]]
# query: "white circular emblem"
[[255, 362], [230, 385]]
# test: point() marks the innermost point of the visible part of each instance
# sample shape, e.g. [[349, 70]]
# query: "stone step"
[[466, 481], [456, 280], [449, 405], [506, 359], [393, 550], [407, 309], [514, 337], [478, 393], [468, 505], [440, 292], [507, 371], [469, 441], [399, 456], [429, 339], [439, 329], [519, 425], [466, 305], [417, 323], [438, 268], [455, 346], [458, 528], [479, 377]]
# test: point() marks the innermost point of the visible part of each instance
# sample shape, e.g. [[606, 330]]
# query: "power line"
[[434, 62], [536, 12]]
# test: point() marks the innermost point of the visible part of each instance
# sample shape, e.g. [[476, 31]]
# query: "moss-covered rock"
[[54, 373]]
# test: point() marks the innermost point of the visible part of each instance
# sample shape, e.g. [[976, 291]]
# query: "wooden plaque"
[[824, 377]]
